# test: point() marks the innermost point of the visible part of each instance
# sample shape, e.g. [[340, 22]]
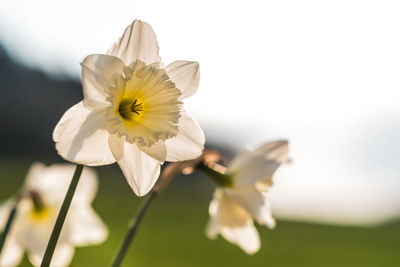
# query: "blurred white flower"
[[43, 194], [132, 111], [242, 196]]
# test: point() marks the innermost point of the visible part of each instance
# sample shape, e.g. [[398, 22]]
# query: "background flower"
[[43, 194], [132, 111], [235, 206]]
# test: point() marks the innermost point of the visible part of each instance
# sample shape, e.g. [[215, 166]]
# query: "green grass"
[[172, 232]]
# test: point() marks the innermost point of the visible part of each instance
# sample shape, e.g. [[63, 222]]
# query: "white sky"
[[324, 74]]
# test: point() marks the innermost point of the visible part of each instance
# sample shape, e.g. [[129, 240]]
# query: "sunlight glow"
[[324, 75]]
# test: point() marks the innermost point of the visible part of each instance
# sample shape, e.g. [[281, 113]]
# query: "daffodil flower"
[[41, 200], [242, 196], [132, 112]]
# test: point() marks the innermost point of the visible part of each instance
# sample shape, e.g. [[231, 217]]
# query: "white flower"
[[243, 199], [132, 112], [44, 191]]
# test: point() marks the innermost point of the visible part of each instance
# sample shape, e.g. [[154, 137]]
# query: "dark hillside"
[[31, 103]]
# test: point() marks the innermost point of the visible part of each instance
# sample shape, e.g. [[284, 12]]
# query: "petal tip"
[[137, 42], [142, 192]]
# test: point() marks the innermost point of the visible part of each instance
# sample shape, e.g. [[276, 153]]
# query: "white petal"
[[189, 143], [87, 188], [138, 42], [277, 150], [116, 145], [34, 173], [258, 166], [249, 168], [157, 151], [245, 236], [35, 234], [62, 256], [81, 136], [53, 181], [86, 226], [185, 75], [140, 170], [236, 226], [212, 228], [254, 202], [98, 74], [5, 208], [12, 252]]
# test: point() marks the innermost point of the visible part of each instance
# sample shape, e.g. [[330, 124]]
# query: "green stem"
[[132, 230], [61, 217], [9, 222], [221, 179]]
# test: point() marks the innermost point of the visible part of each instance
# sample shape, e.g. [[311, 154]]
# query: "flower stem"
[[61, 217], [144, 205], [217, 173], [167, 175], [7, 228]]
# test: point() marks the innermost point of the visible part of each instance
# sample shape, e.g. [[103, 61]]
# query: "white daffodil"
[[241, 196], [132, 112], [42, 197]]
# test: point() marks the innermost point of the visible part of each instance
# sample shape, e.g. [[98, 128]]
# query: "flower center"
[[129, 109], [147, 105], [40, 212]]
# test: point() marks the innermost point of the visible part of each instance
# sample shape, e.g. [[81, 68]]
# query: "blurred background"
[[322, 74]]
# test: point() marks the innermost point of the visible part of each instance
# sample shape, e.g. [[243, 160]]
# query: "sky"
[[322, 74]]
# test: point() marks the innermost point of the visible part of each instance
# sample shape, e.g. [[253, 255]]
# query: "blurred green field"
[[172, 233]]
